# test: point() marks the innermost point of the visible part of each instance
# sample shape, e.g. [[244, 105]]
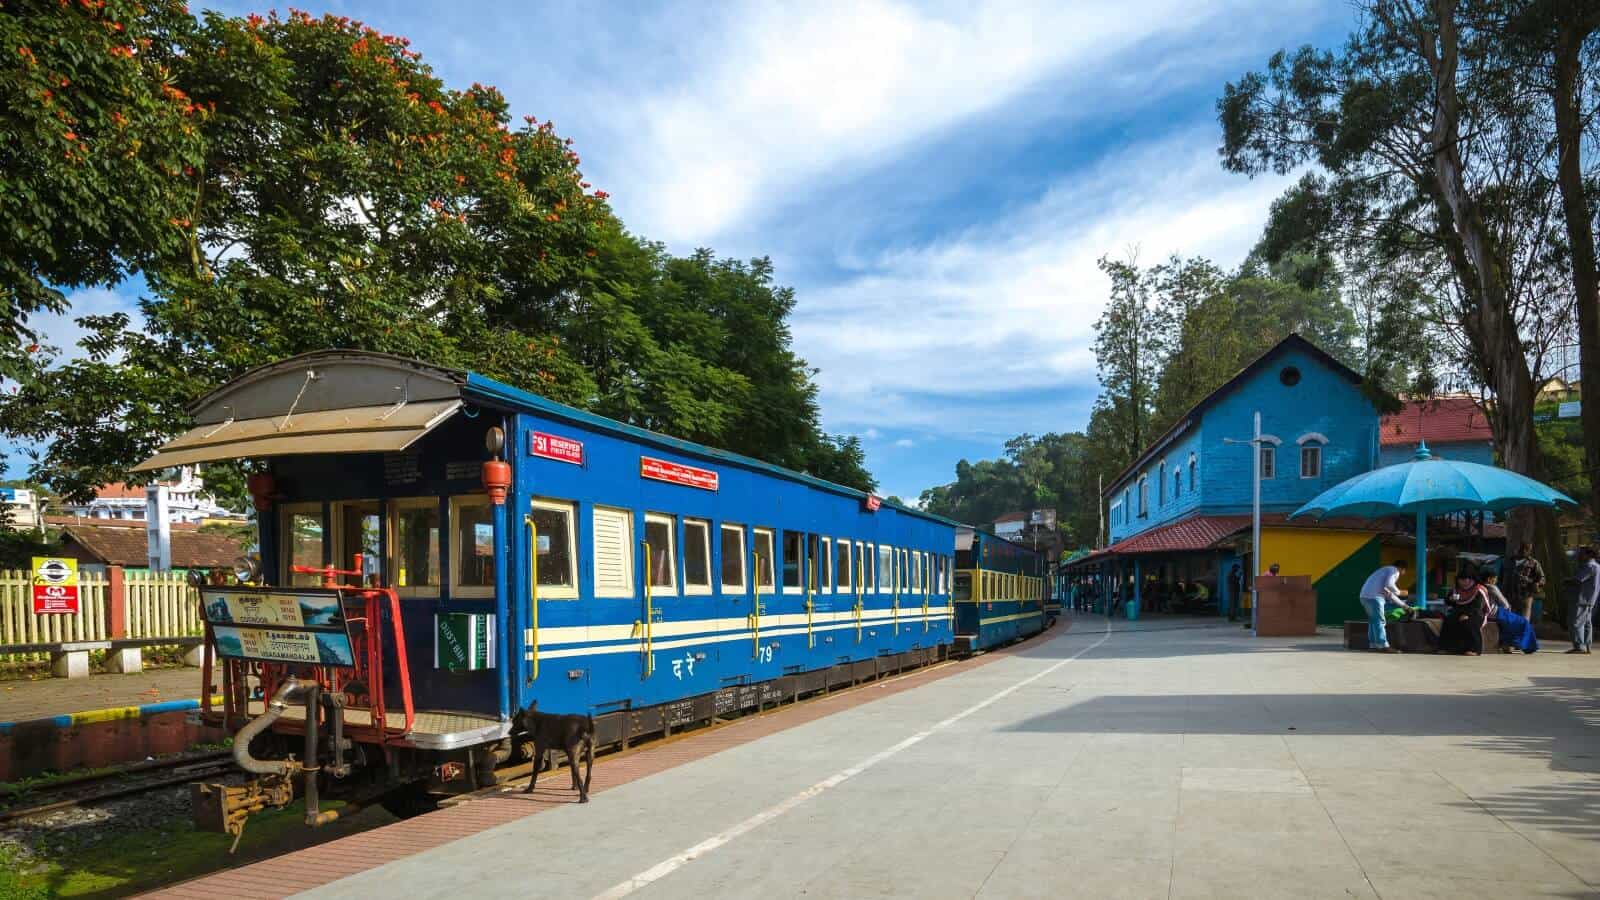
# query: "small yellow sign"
[[55, 585]]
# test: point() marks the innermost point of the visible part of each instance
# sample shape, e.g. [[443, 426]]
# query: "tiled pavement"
[[22, 700], [1153, 762]]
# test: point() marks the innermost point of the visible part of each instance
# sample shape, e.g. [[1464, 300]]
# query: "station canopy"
[[331, 401]]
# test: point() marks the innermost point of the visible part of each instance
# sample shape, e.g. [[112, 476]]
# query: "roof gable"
[[1289, 344]]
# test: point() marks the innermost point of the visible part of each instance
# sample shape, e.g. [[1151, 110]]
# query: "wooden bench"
[[1412, 636]]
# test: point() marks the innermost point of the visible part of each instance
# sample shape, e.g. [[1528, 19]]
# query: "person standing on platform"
[[1588, 584], [1382, 588], [1235, 591], [1523, 578]]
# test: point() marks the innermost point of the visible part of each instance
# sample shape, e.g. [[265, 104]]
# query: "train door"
[[551, 530]]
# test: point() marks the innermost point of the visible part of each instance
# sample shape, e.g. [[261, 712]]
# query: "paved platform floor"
[[1112, 760], [22, 700]]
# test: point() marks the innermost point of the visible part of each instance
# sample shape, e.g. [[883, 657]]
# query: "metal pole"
[[1255, 523], [1421, 598]]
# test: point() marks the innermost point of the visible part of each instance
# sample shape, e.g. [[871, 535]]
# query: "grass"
[[136, 861]]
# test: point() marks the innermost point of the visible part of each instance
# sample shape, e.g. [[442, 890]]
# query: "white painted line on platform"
[[674, 863]]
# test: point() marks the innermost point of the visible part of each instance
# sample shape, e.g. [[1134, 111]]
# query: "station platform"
[[1158, 758], [49, 697], [61, 724]]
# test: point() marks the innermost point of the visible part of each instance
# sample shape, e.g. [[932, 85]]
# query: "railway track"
[[112, 784]]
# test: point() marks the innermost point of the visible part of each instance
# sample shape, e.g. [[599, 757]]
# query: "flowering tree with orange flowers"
[[93, 149], [342, 196]]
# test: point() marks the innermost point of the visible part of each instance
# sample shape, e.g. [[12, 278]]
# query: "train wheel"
[[410, 801]]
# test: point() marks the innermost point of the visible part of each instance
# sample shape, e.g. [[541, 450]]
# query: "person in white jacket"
[[1382, 588]]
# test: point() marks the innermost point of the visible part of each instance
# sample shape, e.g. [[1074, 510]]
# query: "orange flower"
[[71, 136]]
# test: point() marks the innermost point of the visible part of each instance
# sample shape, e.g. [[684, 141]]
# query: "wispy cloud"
[[1009, 307]]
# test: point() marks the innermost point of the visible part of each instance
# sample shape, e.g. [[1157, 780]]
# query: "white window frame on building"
[[1315, 442]]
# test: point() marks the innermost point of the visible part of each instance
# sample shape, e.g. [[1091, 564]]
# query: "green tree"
[[1425, 162], [347, 198], [95, 144], [1131, 342]]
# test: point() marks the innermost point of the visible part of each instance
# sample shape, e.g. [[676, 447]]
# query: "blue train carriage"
[[1000, 591], [485, 548]]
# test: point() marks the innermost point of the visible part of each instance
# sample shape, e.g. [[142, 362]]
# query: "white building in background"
[[24, 506], [187, 502]]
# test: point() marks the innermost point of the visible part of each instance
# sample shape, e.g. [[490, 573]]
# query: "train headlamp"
[[246, 568]]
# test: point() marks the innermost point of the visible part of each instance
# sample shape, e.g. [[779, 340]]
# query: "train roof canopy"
[[332, 401]]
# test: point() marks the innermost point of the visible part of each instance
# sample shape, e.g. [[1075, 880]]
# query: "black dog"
[[569, 732]]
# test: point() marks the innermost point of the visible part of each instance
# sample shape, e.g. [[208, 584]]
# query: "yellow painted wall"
[[1308, 551]]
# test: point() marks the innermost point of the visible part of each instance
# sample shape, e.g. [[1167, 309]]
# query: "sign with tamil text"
[[675, 473], [55, 585], [552, 446], [279, 626]]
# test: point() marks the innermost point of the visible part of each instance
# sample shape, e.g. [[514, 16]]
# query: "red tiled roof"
[[1021, 516], [127, 545], [1193, 533], [1445, 420], [113, 523]]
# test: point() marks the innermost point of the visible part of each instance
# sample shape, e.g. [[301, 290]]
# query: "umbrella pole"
[[1421, 598]]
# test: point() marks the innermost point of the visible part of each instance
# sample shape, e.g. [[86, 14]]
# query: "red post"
[[116, 603]]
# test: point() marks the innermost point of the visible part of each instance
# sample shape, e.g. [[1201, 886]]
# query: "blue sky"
[[936, 181]]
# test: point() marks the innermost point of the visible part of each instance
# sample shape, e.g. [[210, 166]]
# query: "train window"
[[842, 551], [613, 552], [963, 586], [696, 556], [885, 568], [558, 549], [357, 528], [864, 557], [659, 533], [416, 544], [732, 559], [793, 541], [825, 567], [303, 536], [763, 551], [471, 547]]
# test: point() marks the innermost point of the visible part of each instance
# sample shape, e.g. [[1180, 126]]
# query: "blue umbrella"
[[1430, 486]]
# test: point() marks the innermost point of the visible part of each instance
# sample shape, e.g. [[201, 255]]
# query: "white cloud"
[[1010, 306], [62, 331], [872, 434], [904, 442], [793, 93]]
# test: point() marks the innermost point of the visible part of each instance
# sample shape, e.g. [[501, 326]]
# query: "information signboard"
[[677, 473], [301, 626], [55, 585], [556, 447]]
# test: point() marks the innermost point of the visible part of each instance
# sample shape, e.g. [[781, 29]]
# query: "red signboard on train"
[[673, 473], [872, 503], [555, 447]]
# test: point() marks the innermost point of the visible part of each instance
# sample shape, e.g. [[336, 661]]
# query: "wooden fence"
[[119, 604]]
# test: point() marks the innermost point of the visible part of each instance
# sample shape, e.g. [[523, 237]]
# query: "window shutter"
[[613, 553]]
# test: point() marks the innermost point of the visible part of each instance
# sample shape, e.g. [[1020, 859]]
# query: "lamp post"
[[1255, 513]]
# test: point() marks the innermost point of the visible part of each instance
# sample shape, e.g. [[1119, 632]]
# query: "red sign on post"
[[55, 585], [673, 473], [554, 447]]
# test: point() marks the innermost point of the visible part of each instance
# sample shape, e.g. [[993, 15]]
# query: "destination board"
[[279, 626]]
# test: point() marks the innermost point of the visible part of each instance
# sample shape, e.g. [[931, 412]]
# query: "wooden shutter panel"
[[613, 553]]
